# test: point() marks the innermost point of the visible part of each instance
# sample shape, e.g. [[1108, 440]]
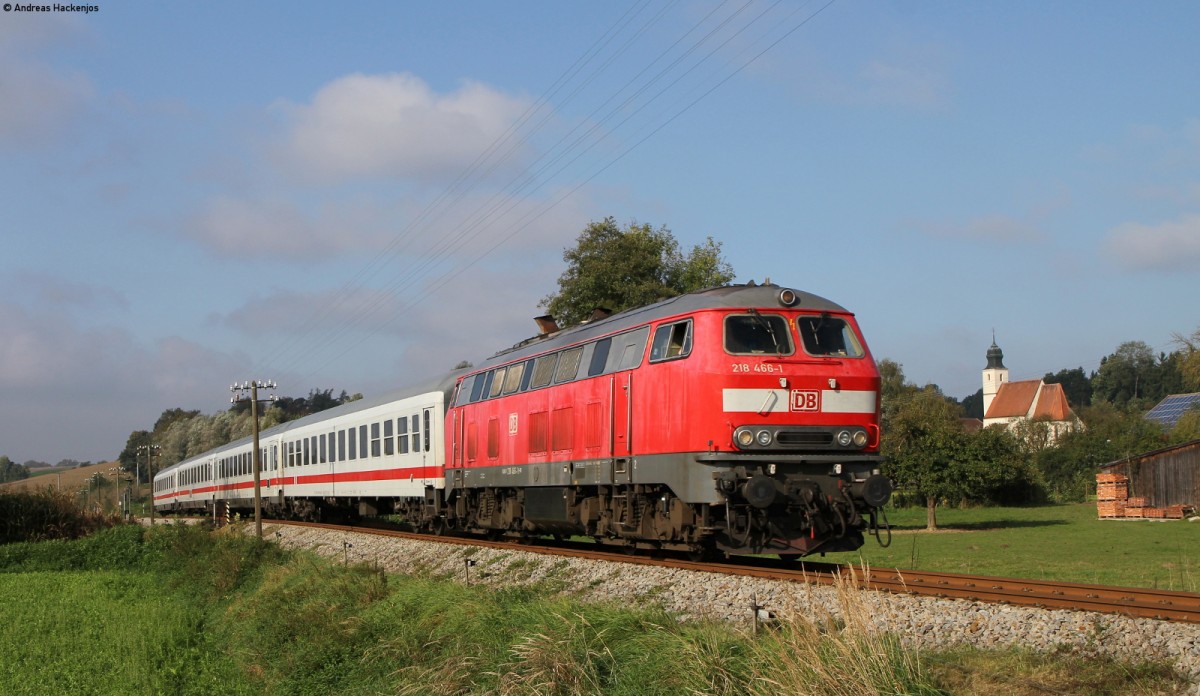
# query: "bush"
[[47, 514]]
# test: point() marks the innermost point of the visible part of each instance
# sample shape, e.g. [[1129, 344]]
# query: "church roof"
[[1013, 399], [1052, 404], [1030, 398]]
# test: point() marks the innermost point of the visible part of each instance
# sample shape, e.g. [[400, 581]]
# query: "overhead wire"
[[457, 188], [553, 163]]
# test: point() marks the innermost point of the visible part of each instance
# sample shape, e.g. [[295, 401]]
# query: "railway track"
[[1163, 605]]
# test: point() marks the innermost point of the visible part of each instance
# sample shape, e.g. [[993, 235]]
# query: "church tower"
[[994, 375]]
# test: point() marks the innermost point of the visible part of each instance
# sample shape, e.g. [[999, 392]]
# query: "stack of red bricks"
[[1113, 500], [1112, 495]]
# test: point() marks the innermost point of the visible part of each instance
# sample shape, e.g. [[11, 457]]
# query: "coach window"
[[352, 443], [672, 341], [543, 371], [321, 448], [757, 334], [568, 365], [512, 378], [402, 430], [341, 457], [375, 449], [828, 336], [362, 442], [416, 433], [313, 444], [389, 444], [428, 419]]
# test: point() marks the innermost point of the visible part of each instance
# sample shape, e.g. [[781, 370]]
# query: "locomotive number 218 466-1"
[[758, 367]]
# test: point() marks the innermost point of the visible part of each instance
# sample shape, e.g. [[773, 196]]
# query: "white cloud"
[[77, 393], [994, 229], [306, 313], [918, 84], [394, 125], [48, 290], [279, 228], [1168, 246], [39, 102]]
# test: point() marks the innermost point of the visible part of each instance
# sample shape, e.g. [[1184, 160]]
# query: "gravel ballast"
[[922, 622]]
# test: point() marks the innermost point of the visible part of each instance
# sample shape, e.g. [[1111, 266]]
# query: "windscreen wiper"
[[767, 325]]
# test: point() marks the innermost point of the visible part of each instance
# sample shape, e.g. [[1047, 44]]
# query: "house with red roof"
[[1030, 408]]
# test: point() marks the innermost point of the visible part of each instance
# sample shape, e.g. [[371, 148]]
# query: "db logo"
[[806, 400]]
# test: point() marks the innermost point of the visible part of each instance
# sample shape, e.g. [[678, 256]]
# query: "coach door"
[[620, 426], [427, 435]]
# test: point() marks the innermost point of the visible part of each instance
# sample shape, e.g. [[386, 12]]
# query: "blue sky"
[[352, 197]]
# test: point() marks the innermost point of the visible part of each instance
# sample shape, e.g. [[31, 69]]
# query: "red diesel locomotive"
[[743, 419]]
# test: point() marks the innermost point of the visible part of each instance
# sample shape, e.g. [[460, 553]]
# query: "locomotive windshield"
[[756, 334], [828, 336]]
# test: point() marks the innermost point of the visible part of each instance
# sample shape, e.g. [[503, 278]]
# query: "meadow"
[[1056, 542], [180, 610]]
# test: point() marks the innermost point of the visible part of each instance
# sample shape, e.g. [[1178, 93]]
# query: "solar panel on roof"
[[1169, 410]]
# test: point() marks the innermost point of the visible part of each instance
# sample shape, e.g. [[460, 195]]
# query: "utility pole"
[[239, 394], [150, 450]]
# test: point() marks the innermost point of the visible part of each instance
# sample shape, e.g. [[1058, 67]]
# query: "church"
[[1032, 401]]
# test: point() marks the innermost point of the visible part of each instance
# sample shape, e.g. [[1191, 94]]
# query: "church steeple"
[[995, 356], [994, 375]]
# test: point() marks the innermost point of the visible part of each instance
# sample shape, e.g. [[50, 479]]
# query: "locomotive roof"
[[725, 297]]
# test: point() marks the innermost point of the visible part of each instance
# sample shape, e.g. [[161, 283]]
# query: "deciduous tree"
[[619, 268]]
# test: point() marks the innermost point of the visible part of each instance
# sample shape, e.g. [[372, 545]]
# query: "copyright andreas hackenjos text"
[[56, 7]]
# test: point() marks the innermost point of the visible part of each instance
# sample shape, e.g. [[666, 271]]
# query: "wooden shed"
[[1163, 478]]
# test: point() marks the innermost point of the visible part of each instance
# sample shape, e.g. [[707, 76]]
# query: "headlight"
[[764, 438], [744, 438], [843, 438], [860, 438]]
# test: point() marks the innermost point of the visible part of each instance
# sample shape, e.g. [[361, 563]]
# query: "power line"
[[563, 154]]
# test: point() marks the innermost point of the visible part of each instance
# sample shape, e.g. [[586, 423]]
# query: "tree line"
[[180, 434], [12, 471], [935, 460]]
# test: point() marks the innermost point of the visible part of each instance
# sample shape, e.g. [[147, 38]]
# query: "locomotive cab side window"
[[672, 341], [757, 334], [828, 336]]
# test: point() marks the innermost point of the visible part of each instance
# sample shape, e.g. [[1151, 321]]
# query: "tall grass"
[[845, 655]]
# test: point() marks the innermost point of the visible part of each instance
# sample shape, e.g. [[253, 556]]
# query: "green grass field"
[[177, 610], [1058, 542]]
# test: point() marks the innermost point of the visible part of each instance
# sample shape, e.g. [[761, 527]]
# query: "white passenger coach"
[[353, 456]]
